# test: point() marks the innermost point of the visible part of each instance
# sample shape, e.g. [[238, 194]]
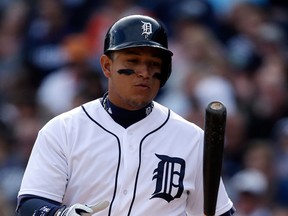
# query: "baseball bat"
[[214, 132]]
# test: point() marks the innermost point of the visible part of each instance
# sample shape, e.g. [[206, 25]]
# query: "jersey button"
[[125, 192]]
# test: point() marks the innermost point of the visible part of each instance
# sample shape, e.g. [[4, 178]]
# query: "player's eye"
[[155, 64]]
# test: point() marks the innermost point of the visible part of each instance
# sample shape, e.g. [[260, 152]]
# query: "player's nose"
[[144, 70]]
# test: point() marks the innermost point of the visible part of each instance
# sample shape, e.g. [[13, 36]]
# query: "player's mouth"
[[143, 86]]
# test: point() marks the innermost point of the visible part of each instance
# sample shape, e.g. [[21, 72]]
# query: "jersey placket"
[[128, 172]]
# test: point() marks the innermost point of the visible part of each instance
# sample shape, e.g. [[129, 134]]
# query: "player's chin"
[[140, 101], [144, 94]]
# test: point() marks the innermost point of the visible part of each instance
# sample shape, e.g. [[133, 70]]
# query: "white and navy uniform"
[[153, 167]]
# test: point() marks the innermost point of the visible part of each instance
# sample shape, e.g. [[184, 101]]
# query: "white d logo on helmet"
[[147, 29]]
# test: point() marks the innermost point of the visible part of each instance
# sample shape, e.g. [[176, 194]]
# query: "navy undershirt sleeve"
[[34, 205]]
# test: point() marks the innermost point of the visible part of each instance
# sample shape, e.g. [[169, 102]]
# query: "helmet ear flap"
[[166, 71]]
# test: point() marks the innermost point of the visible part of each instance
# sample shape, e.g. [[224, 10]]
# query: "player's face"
[[136, 87]]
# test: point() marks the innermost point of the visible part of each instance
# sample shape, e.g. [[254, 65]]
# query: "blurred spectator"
[[8, 112], [278, 13], [200, 49], [235, 144], [280, 211], [46, 30], [12, 26], [223, 7], [11, 169], [78, 12], [58, 90], [250, 188], [270, 100], [30, 118], [244, 20], [281, 161], [215, 88], [211, 88], [6, 209], [171, 11], [259, 155]]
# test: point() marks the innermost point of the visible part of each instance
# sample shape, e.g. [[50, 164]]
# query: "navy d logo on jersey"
[[147, 29], [169, 177]]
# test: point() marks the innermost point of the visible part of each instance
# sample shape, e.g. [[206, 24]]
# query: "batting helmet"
[[140, 31]]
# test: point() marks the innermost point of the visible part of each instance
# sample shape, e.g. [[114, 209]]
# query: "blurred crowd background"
[[232, 51]]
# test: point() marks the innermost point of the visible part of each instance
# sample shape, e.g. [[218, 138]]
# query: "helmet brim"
[[134, 44]]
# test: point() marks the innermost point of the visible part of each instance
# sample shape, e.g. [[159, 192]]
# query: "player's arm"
[[39, 206]]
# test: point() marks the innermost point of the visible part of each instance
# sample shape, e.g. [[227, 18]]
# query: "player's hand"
[[82, 210]]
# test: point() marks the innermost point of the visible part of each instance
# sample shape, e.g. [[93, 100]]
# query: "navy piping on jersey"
[[118, 166], [119, 158]]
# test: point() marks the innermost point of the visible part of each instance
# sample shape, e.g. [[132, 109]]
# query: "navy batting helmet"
[[140, 31]]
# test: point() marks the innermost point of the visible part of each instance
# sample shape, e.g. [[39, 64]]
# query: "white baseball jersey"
[[154, 167]]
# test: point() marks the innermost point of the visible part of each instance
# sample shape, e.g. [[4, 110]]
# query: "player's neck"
[[125, 117]]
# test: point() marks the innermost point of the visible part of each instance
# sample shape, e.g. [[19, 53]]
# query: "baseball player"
[[123, 154]]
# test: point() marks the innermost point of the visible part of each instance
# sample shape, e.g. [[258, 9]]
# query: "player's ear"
[[106, 62]]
